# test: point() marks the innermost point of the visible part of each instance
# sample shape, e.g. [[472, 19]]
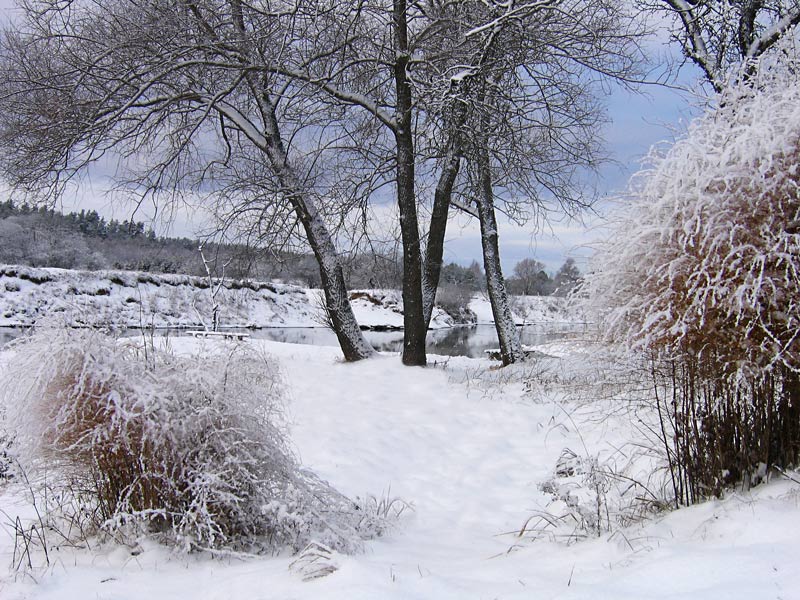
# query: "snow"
[[467, 448], [527, 310], [384, 309], [138, 299]]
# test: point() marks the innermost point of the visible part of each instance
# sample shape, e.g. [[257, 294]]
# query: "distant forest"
[[42, 237]]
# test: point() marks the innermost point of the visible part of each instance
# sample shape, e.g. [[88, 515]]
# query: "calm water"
[[457, 341]]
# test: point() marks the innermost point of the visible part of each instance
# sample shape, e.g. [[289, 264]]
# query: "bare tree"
[[717, 35], [567, 278], [184, 95], [215, 285], [362, 57], [455, 81], [235, 102], [530, 273], [526, 116]]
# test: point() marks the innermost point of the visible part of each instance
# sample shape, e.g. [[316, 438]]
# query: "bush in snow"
[[188, 448], [703, 275]]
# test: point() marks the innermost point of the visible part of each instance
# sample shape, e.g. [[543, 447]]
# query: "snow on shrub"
[[190, 449], [708, 243], [703, 275]]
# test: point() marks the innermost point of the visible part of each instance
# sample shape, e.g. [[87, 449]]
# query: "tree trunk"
[[441, 205], [507, 334], [337, 302], [413, 313], [435, 248]]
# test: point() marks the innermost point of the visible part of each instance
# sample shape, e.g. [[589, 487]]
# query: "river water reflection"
[[455, 341]]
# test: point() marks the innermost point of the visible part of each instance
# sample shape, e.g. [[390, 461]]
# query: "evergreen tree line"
[[43, 237]]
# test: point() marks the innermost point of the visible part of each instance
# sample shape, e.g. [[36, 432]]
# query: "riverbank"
[[142, 300]]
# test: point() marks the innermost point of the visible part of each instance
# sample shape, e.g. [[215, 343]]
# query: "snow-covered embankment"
[[139, 299]]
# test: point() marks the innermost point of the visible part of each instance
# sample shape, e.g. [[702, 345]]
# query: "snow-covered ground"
[[469, 449], [528, 310]]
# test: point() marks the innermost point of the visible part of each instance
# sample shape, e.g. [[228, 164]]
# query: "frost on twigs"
[[189, 449], [703, 277], [709, 243], [590, 495]]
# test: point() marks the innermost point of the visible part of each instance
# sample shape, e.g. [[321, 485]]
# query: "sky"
[[637, 122]]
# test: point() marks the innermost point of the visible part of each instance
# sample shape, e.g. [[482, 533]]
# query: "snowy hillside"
[[478, 455], [138, 299], [143, 299], [528, 310]]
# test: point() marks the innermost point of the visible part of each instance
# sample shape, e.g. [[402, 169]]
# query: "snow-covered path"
[[469, 458], [415, 431], [469, 462]]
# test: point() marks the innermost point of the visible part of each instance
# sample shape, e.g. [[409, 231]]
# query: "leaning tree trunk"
[[337, 302], [441, 205], [507, 334], [436, 233], [413, 313]]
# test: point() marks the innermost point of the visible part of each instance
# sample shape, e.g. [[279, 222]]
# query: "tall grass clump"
[[702, 279], [189, 449]]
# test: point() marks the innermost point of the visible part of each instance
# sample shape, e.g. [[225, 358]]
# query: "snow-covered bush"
[[703, 275], [710, 241], [589, 495], [190, 449]]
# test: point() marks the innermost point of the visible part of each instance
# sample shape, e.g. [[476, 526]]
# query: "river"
[[455, 341]]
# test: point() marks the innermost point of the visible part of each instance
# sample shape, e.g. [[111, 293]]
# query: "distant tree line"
[[531, 279], [42, 237]]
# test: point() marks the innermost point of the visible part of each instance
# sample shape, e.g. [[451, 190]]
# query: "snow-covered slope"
[[528, 310], [143, 299], [469, 453], [383, 309]]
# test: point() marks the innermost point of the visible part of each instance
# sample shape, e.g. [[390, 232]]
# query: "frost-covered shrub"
[[589, 495], [720, 429], [710, 241], [6, 465], [703, 275], [189, 448]]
